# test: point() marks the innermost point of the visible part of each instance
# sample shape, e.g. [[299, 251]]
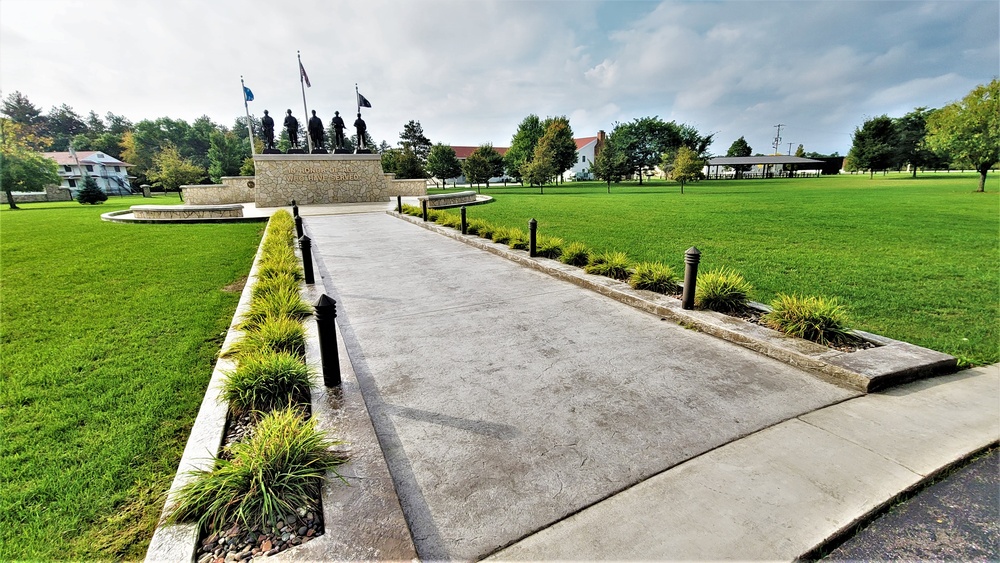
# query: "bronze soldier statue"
[[361, 127], [267, 126], [292, 127], [316, 131], [338, 130]]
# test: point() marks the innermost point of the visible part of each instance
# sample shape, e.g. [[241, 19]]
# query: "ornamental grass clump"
[[549, 247], [266, 381], [654, 276], [722, 290], [519, 239], [279, 261], [818, 319], [282, 302], [575, 254], [612, 264], [272, 335], [481, 228], [411, 210], [502, 235], [449, 220], [271, 284], [278, 470]]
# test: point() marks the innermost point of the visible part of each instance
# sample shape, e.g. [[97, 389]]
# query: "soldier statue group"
[[316, 133]]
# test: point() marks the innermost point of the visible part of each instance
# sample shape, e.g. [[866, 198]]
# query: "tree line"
[[963, 134]]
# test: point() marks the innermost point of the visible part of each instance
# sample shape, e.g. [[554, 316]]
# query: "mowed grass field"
[[913, 259], [108, 334]]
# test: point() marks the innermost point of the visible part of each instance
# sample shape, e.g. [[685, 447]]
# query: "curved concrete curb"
[[126, 216], [892, 362]]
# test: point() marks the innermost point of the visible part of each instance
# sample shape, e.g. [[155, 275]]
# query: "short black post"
[[691, 258], [326, 325], [423, 208], [298, 226], [295, 210], [307, 261], [465, 224], [532, 231], [399, 204]]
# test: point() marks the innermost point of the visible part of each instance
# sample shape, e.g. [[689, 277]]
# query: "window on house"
[[67, 168], [72, 183], [90, 168], [583, 158], [117, 169]]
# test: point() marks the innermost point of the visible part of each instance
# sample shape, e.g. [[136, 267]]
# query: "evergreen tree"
[[91, 193]]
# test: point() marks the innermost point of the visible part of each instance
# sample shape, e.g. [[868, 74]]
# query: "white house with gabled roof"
[[110, 173]]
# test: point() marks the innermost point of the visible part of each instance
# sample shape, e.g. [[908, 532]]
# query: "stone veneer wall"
[[185, 211], [326, 178], [51, 193], [233, 189]]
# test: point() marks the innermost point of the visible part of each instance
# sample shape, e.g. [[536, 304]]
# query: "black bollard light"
[[423, 208], [298, 226], [326, 326], [307, 263], [691, 258], [399, 204], [465, 224], [295, 210], [532, 232]]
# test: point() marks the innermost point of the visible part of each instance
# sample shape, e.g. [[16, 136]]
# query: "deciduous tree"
[[740, 147], [484, 163], [686, 166], [559, 144], [610, 163], [226, 153], [911, 135], [522, 144], [22, 169], [874, 145], [443, 163], [171, 170], [969, 130]]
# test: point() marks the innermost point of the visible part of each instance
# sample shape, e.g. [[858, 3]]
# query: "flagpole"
[[253, 150], [357, 96], [302, 83]]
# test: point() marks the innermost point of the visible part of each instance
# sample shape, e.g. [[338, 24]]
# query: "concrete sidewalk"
[[521, 412]]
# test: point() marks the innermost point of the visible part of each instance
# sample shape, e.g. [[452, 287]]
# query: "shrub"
[[502, 235], [654, 276], [611, 264], [432, 215], [722, 290], [519, 239], [273, 335], [411, 210], [266, 381], [282, 302], [276, 282], [91, 193], [473, 226], [549, 247], [576, 254], [812, 318], [449, 220], [276, 471], [485, 229]]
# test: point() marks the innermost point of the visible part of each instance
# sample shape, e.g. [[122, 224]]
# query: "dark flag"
[[363, 102]]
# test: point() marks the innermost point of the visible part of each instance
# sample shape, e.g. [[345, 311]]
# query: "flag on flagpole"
[[363, 101], [247, 94], [305, 77]]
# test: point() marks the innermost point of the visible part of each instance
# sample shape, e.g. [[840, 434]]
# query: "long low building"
[[725, 167]]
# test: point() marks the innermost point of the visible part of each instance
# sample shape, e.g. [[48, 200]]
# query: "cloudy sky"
[[470, 70]]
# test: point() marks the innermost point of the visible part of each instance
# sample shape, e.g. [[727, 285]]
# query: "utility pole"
[[789, 149], [777, 138]]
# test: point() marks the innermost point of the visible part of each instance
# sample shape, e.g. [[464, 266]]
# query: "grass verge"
[[108, 333]]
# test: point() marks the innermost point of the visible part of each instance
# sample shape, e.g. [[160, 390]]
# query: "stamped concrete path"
[[506, 401]]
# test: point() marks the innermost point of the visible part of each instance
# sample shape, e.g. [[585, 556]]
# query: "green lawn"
[[107, 337], [914, 259]]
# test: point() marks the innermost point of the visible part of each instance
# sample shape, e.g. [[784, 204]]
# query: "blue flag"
[[363, 102], [247, 94]]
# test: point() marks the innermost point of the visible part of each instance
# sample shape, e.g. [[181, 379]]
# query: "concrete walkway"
[[525, 417]]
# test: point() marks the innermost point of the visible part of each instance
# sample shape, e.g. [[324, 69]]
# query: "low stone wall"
[[326, 178], [439, 201], [51, 193], [233, 189], [185, 211]]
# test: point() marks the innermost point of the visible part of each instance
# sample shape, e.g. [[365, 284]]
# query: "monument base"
[[327, 178], [341, 151], [320, 151], [295, 151], [362, 151], [272, 151]]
